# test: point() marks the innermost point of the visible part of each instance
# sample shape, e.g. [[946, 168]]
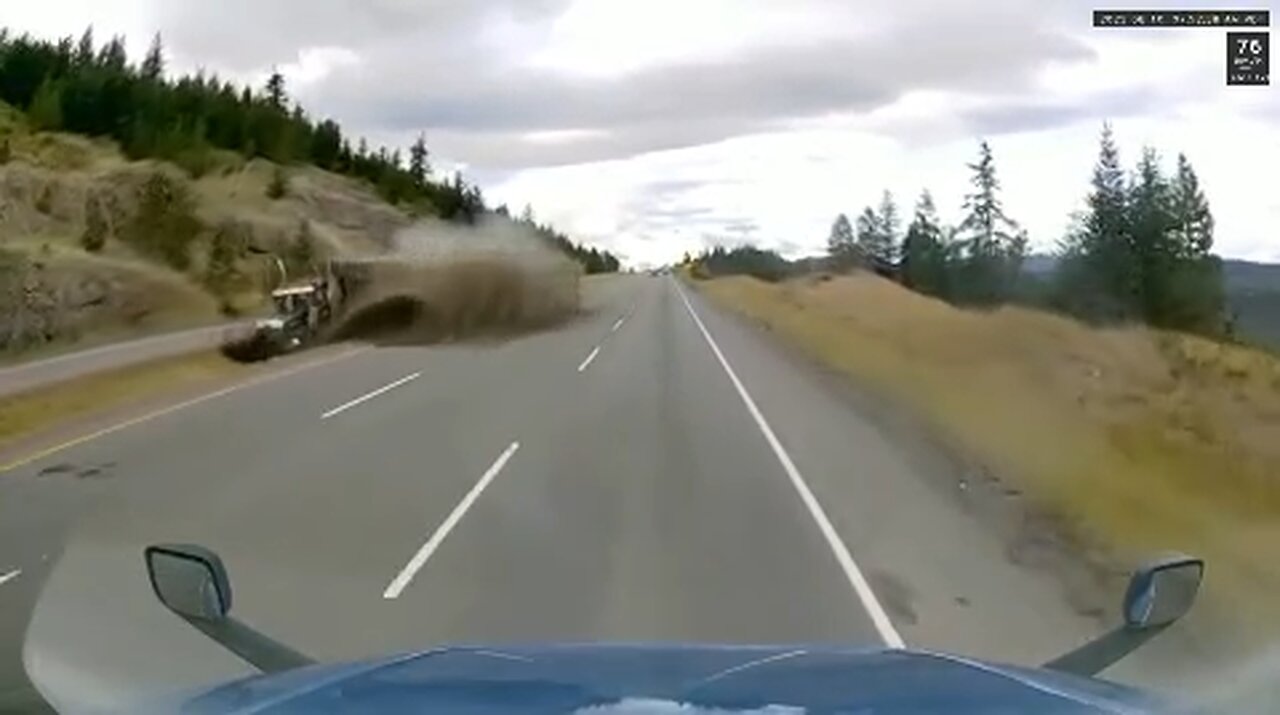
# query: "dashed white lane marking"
[[369, 396], [406, 574], [41, 454], [851, 571], [618, 324], [590, 357], [4, 578]]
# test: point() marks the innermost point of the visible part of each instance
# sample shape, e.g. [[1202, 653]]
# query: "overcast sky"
[[658, 126]]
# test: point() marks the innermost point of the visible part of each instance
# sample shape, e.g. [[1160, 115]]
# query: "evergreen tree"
[[84, 54], [840, 243], [742, 260], [1142, 249], [1193, 223], [1151, 226], [153, 64], [1180, 282], [327, 145], [275, 90], [418, 168], [112, 56], [1105, 282], [888, 229], [991, 253], [926, 259], [867, 233], [1098, 276]]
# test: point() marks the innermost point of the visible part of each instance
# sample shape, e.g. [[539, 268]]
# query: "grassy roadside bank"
[[1143, 441], [26, 413]]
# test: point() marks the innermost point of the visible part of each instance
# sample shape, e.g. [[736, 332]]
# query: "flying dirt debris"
[[440, 284]]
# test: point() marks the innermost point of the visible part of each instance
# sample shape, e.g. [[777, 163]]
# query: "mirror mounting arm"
[[263, 653], [1102, 652]]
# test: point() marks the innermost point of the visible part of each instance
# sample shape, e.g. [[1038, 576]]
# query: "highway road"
[[655, 470]]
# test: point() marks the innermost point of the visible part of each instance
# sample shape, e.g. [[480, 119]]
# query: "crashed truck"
[[301, 311]]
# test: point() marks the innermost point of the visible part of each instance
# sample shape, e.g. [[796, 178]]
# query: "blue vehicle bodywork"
[[684, 680]]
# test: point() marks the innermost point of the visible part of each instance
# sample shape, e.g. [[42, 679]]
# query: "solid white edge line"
[[590, 357], [406, 574], [879, 618], [369, 396], [10, 576]]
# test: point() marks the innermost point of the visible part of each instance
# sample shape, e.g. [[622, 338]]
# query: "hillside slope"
[[54, 292]]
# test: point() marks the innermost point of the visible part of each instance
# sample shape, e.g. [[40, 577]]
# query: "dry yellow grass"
[[29, 412], [1143, 440]]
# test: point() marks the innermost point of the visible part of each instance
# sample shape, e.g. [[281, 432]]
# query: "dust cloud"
[[441, 282], [446, 281]]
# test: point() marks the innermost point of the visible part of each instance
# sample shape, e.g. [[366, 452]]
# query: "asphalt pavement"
[[37, 373], [654, 470]]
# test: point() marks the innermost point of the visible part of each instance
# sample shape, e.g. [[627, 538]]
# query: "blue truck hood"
[[675, 680]]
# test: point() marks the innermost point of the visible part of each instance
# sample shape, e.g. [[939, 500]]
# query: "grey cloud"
[[670, 187], [679, 213], [244, 35], [1003, 116], [480, 109], [798, 82], [665, 206], [1010, 117], [512, 150], [790, 248], [426, 66], [743, 227]]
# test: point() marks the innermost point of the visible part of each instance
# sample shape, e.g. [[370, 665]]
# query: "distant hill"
[[1253, 294], [1040, 264], [1246, 275]]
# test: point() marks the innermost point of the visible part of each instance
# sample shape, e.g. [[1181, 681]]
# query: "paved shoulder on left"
[[28, 376]]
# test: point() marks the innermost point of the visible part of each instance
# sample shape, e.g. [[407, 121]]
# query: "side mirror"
[[1161, 592], [189, 580]]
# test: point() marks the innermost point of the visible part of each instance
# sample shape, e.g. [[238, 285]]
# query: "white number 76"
[[1253, 46]]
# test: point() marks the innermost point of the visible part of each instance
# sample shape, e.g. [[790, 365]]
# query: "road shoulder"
[[1033, 538]]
